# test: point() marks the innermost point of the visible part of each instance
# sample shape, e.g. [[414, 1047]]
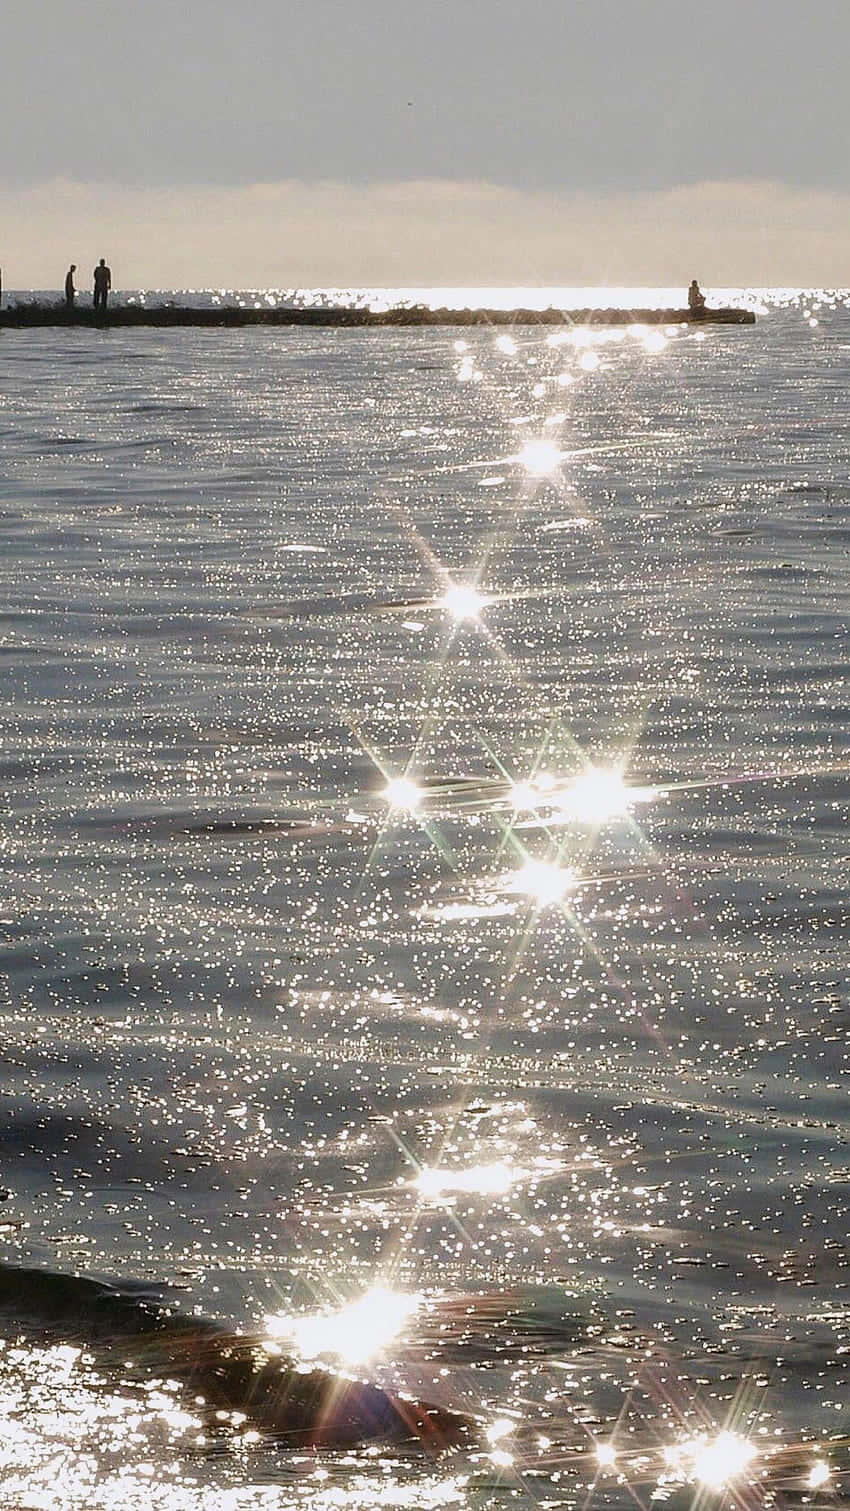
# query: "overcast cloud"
[[432, 232]]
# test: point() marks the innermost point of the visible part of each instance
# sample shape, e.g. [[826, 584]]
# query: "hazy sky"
[[145, 127]]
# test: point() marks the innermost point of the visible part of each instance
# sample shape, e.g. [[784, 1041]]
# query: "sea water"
[[424, 922]]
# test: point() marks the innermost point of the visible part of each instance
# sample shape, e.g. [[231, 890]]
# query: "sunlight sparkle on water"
[[354, 1333], [467, 371], [403, 794], [714, 1461], [72, 1438], [539, 458], [654, 342], [524, 796], [480, 1180], [531, 795], [500, 1429], [544, 882], [463, 602], [818, 1475], [595, 796], [501, 1458]]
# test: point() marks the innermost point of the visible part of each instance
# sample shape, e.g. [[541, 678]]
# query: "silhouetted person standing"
[[102, 285], [70, 291]]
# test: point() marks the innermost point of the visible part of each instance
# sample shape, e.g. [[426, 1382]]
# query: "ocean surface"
[[424, 796]]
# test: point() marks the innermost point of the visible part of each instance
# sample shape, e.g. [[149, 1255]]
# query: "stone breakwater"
[[37, 314]]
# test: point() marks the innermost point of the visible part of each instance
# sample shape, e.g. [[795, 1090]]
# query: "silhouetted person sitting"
[[102, 285], [696, 298], [70, 291]]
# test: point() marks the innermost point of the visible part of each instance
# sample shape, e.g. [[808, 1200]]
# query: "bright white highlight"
[[542, 881], [595, 796], [468, 372], [524, 797], [403, 794], [714, 1461], [355, 1333], [540, 458], [480, 1180], [500, 1458], [606, 1456], [818, 1475], [500, 1429], [463, 602], [507, 345]]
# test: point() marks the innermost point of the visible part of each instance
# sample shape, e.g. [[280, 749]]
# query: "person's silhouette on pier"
[[102, 285], [70, 291], [696, 298]]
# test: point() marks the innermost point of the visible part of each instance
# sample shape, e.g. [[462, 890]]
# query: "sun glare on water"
[[542, 881], [524, 796], [598, 794], [403, 795], [353, 1334], [654, 342], [540, 458], [713, 1461], [480, 1180], [463, 602]]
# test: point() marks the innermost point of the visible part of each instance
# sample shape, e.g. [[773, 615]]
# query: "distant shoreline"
[[36, 314]]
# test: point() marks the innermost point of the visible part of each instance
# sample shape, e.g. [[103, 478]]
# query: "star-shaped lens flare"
[[543, 881], [540, 458], [354, 1333], [403, 795], [463, 601]]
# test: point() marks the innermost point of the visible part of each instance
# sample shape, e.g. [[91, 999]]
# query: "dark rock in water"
[[233, 1372]]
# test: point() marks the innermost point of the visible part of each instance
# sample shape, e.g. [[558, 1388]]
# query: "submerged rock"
[[232, 1372]]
